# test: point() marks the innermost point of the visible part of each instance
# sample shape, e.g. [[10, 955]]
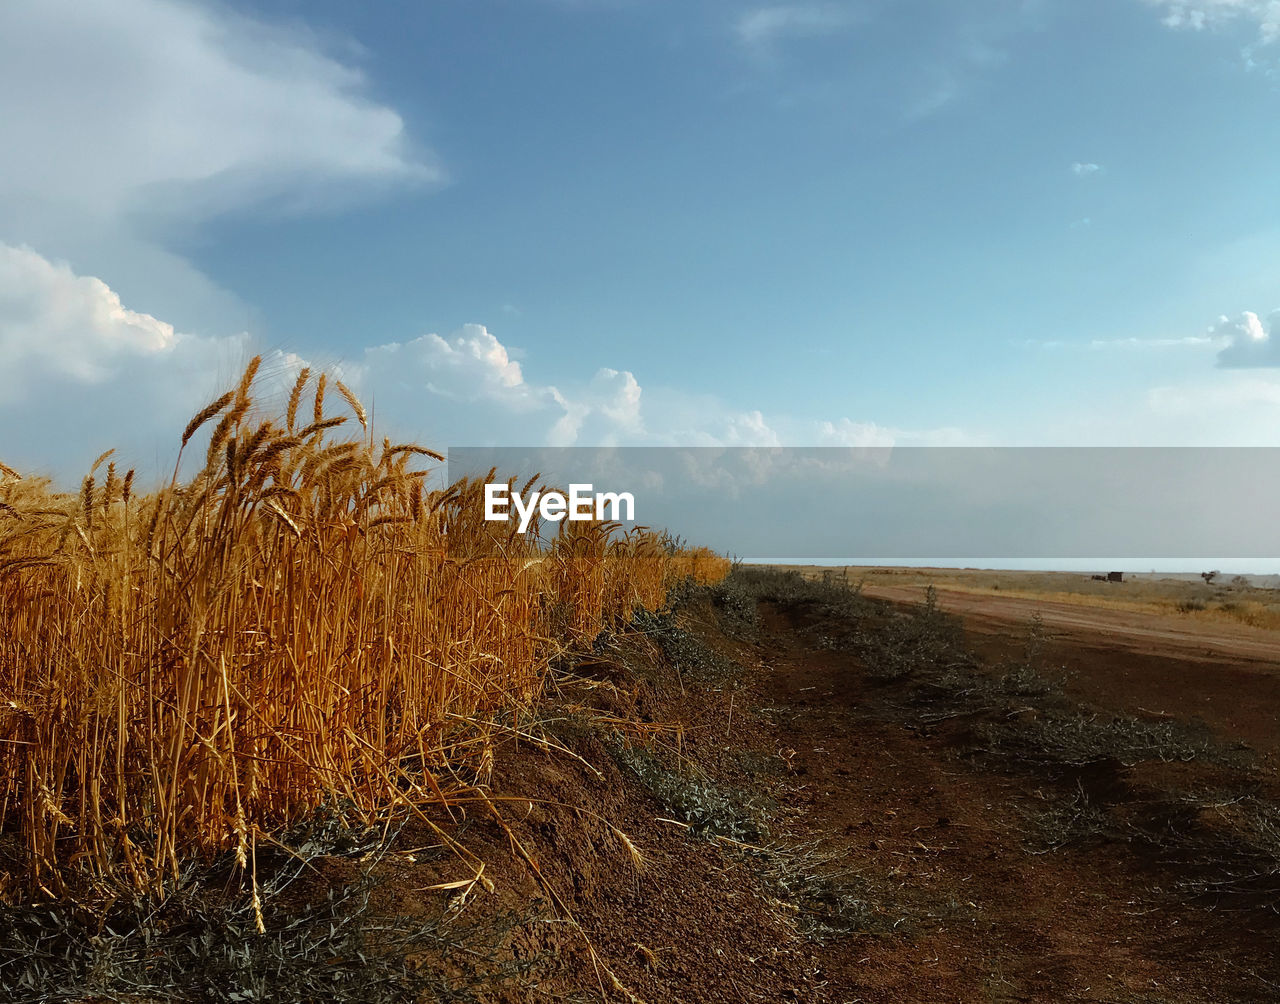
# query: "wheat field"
[[300, 623]]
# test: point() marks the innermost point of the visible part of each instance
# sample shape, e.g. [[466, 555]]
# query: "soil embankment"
[[879, 803]]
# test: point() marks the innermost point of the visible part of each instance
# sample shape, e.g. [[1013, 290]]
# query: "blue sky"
[[637, 221]]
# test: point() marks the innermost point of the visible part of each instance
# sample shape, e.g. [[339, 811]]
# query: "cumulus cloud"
[[470, 364], [850, 433], [62, 333], [1085, 170], [80, 371], [1248, 339], [56, 322], [604, 413], [488, 397], [748, 429], [618, 397], [135, 380]]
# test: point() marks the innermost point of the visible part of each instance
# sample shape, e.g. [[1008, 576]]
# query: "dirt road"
[[1140, 664], [988, 920], [1150, 634]]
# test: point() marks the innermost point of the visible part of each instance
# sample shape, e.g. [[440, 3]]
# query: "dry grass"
[[300, 623]]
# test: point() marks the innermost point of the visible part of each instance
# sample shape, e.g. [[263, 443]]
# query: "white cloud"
[[618, 395], [127, 119], [55, 322], [134, 380], [1105, 344], [1249, 342], [762, 26], [476, 392], [1085, 170], [112, 106], [869, 435], [604, 413], [472, 363], [66, 335], [80, 371], [748, 429], [849, 433], [1188, 341], [1198, 15]]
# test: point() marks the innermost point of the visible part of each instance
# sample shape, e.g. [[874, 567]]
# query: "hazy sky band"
[[954, 503]]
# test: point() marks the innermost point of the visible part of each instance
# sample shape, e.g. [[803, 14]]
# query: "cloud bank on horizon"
[[134, 377]]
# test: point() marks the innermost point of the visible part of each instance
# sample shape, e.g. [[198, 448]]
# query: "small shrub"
[[1075, 819], [1078, 738], [693, 659], [709, 809]]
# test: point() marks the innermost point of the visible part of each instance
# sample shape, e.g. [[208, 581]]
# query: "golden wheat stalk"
[[204, 414], [354, 404], [294, 624]]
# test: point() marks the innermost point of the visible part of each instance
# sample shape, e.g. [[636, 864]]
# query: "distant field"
[[1251, 600]]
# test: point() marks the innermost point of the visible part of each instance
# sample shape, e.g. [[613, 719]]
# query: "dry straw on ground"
[[301, 622]]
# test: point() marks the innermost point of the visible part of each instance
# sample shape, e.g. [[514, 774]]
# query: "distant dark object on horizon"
[[1110, 577]]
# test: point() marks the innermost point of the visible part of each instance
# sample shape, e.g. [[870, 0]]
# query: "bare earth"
[[1150, 634], [1227, 675]]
